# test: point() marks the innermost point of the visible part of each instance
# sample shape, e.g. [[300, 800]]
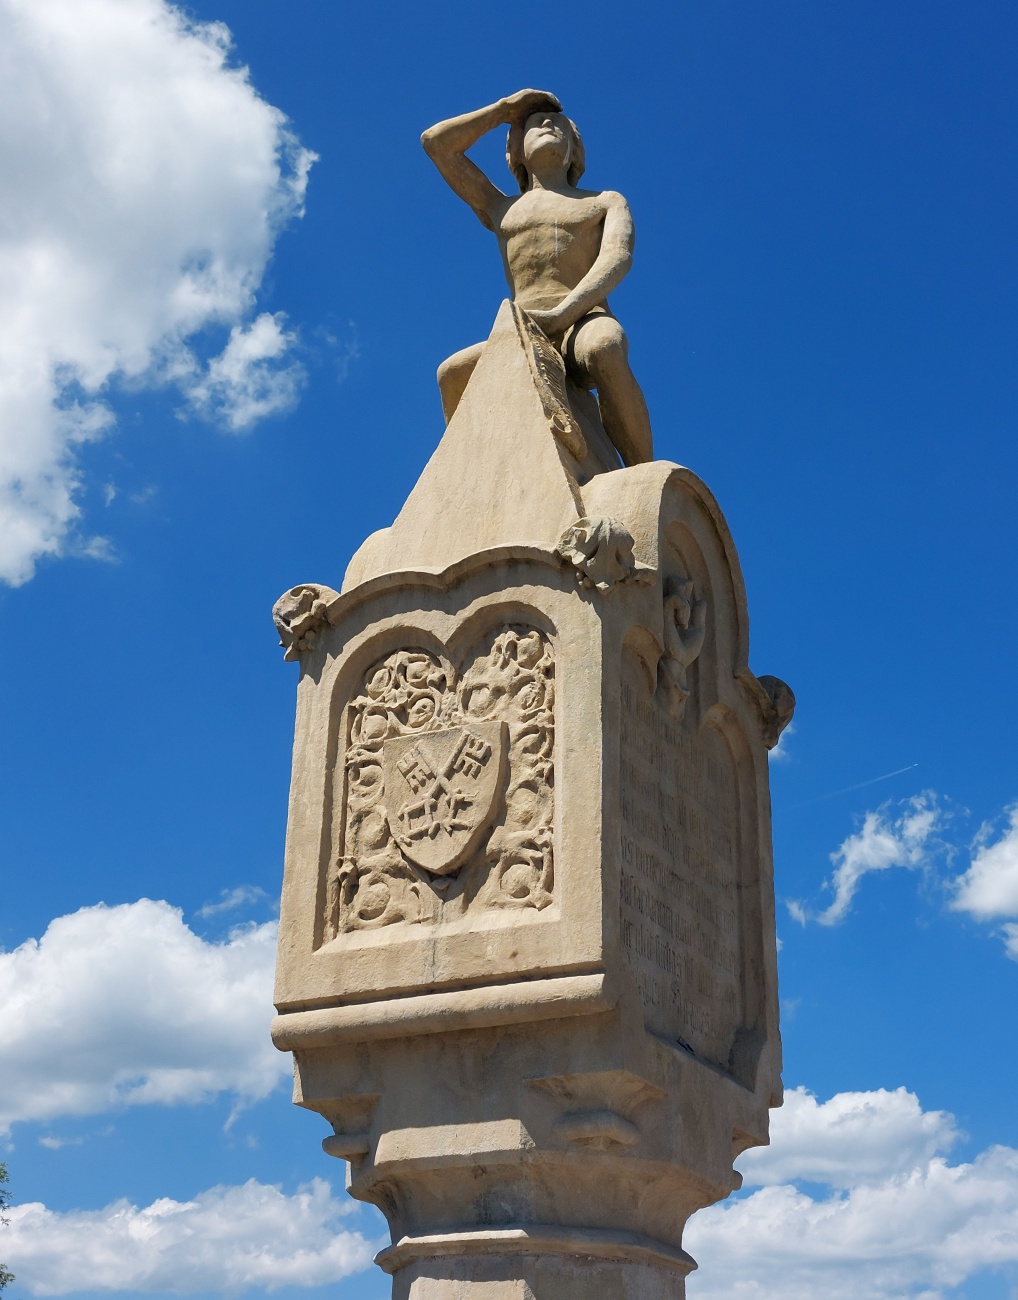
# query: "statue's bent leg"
[[453, 375], [598, 351]]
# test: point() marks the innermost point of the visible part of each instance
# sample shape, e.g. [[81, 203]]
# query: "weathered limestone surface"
[[523, 485], [526, 955], [527, 960]]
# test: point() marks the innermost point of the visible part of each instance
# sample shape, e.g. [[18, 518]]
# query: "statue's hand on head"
[[518, 107], [446, 144]]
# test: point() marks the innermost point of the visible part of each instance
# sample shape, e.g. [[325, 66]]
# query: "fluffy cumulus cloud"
[[245, 382], [899, 1222], [225, 1240], [855, 1138], [894, 836], [126, 1005], [145, 184], [989, 889]]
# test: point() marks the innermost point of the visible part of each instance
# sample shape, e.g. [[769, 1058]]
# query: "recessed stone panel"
[[680, 852], [445, 786]]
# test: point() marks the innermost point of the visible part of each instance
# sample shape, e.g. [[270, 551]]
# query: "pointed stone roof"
[[510, 464]]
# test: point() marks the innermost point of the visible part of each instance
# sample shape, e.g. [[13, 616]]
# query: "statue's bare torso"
[[549, 242]]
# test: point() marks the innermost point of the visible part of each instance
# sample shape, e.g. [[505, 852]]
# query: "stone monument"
[[526, 953]]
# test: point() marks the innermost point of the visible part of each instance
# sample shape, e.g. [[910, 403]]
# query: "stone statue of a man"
[[565, 249]]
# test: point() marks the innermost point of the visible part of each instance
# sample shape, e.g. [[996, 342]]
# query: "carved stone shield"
[[441, 789]]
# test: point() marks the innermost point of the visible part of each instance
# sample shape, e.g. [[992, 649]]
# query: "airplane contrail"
[[833, 794]]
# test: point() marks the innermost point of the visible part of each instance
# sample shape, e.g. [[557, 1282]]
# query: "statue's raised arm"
[[446, 144]]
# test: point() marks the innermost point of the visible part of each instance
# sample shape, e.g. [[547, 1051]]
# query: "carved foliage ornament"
[[448, 786], [300, 614], [600, 549]]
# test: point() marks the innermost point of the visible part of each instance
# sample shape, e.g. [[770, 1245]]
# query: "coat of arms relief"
[[448, 786]]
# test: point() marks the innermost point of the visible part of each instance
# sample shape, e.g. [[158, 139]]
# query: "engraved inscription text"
[[680, 855]]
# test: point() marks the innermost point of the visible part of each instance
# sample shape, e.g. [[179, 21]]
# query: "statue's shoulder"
[[602, 198]]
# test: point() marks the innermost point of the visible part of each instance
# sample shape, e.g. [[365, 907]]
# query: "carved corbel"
[[350, 1118], [774, 700], [602, 1130], [600, 549], [684, 630], [300, 614], [782, 706]]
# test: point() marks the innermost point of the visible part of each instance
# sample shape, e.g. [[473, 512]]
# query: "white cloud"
[[884, 841], [781, 753], [230, 899], [226, 1239], [145, 184], [855, 1138], [127, 1006], [245, 383], [989, 888], [903, 1224], [906, 834]]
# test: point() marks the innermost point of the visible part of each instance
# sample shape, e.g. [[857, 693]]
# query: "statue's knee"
[[459, 365], [602, 346], [454, 374]]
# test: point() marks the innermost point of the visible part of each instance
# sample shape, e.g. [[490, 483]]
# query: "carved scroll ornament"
[[449, 786]]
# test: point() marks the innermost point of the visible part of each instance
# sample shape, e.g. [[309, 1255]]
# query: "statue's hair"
[[518, 163]]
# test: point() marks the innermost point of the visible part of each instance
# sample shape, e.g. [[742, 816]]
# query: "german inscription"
[[680, 855]]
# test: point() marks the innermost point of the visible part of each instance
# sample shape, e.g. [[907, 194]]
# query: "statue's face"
[[547, 140]]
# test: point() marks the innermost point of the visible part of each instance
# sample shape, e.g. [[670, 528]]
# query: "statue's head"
[[549, 138]]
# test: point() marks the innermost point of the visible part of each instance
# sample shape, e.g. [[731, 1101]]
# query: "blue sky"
[[226, 294]]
